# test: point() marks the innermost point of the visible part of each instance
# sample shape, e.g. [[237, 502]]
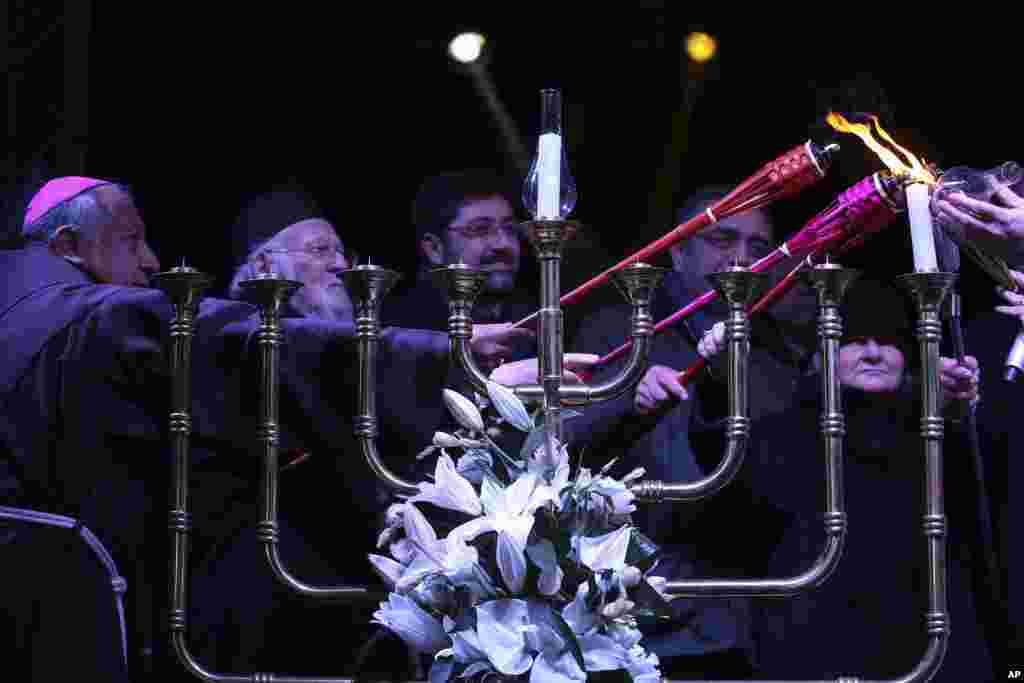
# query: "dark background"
[[200, 106]]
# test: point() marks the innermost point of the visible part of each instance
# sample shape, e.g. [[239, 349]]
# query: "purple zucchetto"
[[58, 191]]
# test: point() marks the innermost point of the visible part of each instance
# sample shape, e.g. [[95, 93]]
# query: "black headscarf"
[[881, 310]]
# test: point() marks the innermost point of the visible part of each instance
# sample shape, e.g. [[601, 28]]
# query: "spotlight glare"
[[701, 47], [466, 47]]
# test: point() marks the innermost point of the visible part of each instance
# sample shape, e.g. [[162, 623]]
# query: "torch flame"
[[916, 170]]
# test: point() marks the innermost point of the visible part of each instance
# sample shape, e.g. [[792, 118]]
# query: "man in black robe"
[[461, 217], [83, 411], [651, 426]]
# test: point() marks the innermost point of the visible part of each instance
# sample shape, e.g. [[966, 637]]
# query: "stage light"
[[701, 47], [466, 47]]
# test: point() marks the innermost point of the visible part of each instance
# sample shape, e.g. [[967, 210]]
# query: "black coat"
[[989, 338], [83, 419], [662, 444], [423, 306], [867, 619]]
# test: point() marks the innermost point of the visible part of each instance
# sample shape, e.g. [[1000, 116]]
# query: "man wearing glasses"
[[285, 233], [465, 217], [651, 428]]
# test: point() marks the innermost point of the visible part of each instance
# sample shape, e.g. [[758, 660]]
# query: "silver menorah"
[[367, 286]]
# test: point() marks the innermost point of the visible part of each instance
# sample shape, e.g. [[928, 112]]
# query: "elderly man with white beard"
[[286, 233], [302, 246]]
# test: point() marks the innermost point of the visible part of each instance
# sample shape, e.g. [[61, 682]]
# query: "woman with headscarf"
[[867, 618]]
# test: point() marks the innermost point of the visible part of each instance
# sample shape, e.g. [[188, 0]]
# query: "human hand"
[[492, 343], [1016, 301], [659, 389], [525, 371], [991, 223], [959, 382], [713, 341]]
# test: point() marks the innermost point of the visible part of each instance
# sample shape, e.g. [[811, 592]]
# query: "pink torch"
[[861, 210]]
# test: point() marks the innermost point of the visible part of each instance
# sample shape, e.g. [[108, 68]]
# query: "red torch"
[[861, 210], [791, 173]]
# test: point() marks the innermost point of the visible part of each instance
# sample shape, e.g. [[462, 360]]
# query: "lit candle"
[[549, 181], [921, 236]]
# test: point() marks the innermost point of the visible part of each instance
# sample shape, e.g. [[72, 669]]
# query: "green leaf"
[[533, 441], [650, 601], [476, 465], [541, 613], [642, 552], [514, 467]]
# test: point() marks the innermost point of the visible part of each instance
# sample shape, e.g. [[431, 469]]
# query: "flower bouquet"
[[541, 576]]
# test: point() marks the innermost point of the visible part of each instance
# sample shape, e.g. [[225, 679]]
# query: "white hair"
[[313, 302], [278, 264]]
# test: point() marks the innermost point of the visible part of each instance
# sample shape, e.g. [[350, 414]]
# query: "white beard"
[[325, 303]]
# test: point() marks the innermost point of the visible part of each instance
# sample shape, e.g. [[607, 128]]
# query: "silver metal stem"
[[585, 394], [463, 285], [367, 285], [928, 291], [551, 342], [831, 282], [184, 286], [270, 293], [737, 287]]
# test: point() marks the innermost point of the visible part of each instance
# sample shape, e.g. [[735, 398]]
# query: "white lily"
[[509, 407], [448, 556], [450, 489], [463, 410], [404, 551], [617, 490], [604, 552], [619, 648], [577, 615], [509, 512], [392, 523], [501, 626], [544, 556], [422, 632], [552, 465], [388, 569], [555, 661]]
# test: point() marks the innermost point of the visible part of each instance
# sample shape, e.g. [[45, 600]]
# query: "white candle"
[[549, 181], [921, 236]]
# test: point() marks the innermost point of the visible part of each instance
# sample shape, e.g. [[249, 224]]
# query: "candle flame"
[[916, 170]]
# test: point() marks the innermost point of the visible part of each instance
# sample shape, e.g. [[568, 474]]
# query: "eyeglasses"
[[487, 229], [321, 252]]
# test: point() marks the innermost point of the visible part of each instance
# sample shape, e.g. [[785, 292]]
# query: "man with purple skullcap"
[[94, 225], [56, 192], [83, 450]]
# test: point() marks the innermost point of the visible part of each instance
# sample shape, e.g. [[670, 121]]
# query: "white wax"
[[921, 235], [549, 180]]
